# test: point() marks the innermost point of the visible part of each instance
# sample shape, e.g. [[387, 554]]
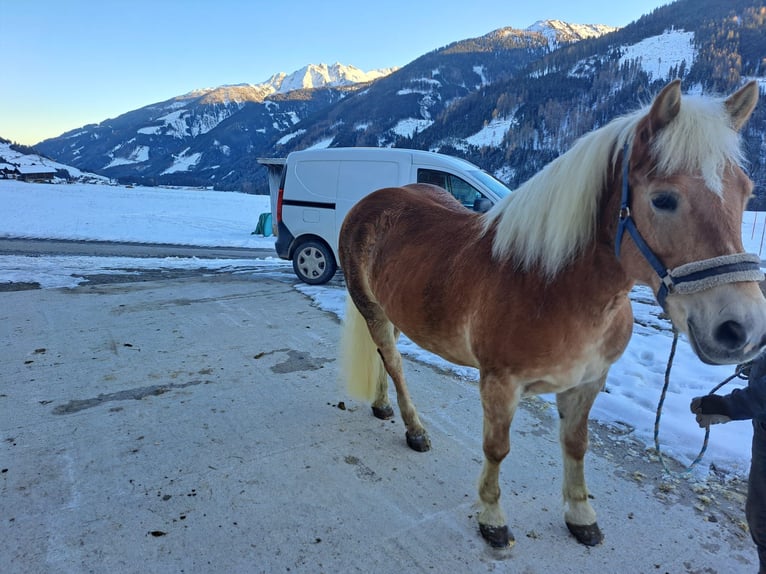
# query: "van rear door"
[[310, 196], [359, 178]]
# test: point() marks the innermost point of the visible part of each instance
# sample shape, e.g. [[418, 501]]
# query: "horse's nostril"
[[731, 334]]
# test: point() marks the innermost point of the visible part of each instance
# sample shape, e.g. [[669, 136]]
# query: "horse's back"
[[421, 197], [402, 222], [417, 204]]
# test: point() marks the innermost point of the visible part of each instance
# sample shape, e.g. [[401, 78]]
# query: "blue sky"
[[70, 63]]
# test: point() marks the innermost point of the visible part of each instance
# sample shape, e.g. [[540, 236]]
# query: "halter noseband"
[[690, 277]]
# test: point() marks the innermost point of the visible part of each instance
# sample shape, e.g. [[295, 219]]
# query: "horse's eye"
[[665, 201]]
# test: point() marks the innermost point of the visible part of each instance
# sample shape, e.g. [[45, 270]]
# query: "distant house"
[[8, 171], [36, 173]]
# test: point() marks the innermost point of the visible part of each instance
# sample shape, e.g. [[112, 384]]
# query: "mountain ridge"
[[310, 76], [154, 143]]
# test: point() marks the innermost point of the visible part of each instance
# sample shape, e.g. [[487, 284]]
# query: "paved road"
[[196, 424], [122, 249]]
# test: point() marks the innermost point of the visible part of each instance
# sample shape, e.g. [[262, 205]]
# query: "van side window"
[[461, 190], [433, 177]]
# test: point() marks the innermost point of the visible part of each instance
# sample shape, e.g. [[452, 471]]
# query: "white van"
[[319, 187]]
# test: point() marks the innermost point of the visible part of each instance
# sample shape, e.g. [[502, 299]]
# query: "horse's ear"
[[666, 106], [741, 104]]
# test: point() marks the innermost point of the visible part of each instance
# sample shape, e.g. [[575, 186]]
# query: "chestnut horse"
[[534, 293]]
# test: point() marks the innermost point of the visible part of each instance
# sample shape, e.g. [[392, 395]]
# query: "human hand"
[[710, 410]]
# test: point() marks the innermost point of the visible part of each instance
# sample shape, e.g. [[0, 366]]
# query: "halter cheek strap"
[[690, 277]]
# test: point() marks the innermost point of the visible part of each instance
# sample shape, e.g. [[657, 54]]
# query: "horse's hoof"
[[497, 536], [588, 534], [420, 443], [383, 413]]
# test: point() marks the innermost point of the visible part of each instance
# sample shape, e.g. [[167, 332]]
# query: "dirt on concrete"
[[197, 424]]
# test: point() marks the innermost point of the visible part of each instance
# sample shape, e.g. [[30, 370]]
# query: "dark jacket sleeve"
[[749, 402]]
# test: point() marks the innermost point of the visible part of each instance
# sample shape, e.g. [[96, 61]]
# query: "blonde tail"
[[361, 364]]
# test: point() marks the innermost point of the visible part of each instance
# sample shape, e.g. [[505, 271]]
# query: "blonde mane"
[[552, 216]]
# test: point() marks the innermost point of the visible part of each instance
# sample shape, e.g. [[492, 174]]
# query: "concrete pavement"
[[196, 425]]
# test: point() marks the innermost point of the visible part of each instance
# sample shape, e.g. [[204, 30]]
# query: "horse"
[[534, 293]]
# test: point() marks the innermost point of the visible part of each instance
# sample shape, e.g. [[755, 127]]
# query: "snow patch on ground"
[[138, 155], [286, 138], [492, 134], [322, 144], [660, 53], [407, 127], [183, 162]]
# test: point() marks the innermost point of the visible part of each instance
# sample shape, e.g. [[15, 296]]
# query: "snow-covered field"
[[206, 218], [142, 214]]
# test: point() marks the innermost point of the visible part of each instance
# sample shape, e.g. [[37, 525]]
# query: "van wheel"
[[313, 263]]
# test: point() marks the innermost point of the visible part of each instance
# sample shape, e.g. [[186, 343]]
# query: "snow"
[[557, 32], [492, 134], [655, 55], [408, 91], [223, 148], [140, 214], [480, 71], [286, 138], [660, 53], [182, 162], [322, 75], [408, 126], [505, 173], [150, 131], [139, 155], [208, 218], [322, 144], [12, 157], [176, 123]]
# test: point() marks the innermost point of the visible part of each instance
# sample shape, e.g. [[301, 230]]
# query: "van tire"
[[313, 263]]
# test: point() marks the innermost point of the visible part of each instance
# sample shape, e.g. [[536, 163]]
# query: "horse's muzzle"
[[729, 342]]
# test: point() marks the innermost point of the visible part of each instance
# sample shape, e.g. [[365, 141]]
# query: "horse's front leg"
[[574, 406], [499, 398]]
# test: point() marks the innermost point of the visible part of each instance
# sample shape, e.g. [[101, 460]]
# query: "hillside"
[[712, 45], [13, 156]]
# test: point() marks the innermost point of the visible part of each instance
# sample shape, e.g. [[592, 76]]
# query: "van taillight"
[[280, 194]]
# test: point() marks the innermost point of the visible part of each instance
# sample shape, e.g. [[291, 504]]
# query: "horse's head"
[[684, 199]]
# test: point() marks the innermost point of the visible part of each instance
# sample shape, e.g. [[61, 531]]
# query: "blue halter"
[[691, 277]]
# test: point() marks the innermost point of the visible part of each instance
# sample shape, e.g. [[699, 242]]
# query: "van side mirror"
[[481, 204]]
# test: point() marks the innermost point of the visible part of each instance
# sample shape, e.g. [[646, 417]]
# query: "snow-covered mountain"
[[206, 129], [310, 77], [558, 32], [322, 76]]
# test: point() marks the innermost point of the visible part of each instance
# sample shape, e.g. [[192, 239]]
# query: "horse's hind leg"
[[574, 406], [381, 406], [384, 334]]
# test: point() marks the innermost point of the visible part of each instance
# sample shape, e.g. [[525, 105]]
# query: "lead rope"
[[697, 460]]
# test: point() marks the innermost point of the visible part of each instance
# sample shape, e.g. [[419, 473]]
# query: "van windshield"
[[492, 183]]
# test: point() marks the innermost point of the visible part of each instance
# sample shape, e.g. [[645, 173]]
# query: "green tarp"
[[264, 225]]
